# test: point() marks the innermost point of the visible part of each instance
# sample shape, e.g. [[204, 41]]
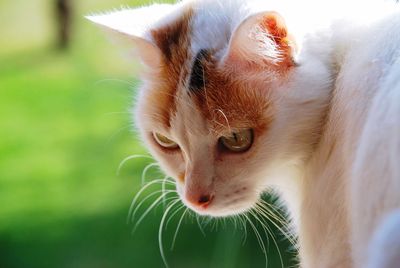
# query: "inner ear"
[[131, 28], [275, 26], [150, 54], [262, 40]]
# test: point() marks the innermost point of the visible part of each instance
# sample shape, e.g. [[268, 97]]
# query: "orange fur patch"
[[174, 42], [226, 102], [275, 25], [231, 103], [181, 177]]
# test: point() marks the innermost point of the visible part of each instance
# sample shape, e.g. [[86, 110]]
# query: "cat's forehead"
[[207, 24], [190, 73]]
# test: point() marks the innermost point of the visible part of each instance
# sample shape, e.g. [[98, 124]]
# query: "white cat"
[[300, 96]]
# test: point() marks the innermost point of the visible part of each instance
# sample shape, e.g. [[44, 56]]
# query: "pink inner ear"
[[261, 41], [149, 53], [276, 27], [274, 24]]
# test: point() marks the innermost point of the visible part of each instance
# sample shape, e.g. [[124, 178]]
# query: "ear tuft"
[[262, 41], [274, 24]]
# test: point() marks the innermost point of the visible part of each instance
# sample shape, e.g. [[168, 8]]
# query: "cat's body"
[[316, 102], [352, 182]]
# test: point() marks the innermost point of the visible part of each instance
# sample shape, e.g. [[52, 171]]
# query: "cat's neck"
[[324, 223], [316, 198], [314, 189]]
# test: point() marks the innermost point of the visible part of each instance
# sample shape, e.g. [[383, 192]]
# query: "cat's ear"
[[132, 27], [261, 40]]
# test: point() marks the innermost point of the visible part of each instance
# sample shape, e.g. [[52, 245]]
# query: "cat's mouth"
[[222, 204], [219, 211]]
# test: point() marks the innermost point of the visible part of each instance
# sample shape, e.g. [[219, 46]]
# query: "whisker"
[[272, 212], [144, 172], [243, 221], [126, 159], [235, 222], [199, 224], [149, 209], [225, 117], [144, 200], [245, 230], [177, 228], [130, 84], [206, 220], [263, 226], [138, 194], [173, 214], [266, 213], [277, 215], [258, 236], [275, 208], [160, 230], [164, 184], [266, 228], [118, 131]]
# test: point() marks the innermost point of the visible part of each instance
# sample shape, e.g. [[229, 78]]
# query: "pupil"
[[235, 137]]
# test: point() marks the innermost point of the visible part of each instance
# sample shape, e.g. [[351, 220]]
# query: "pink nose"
[[203, 200]]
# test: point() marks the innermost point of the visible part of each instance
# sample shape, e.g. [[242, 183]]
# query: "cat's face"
[[226, 117], [209, 138]]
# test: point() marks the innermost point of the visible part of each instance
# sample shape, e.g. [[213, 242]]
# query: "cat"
[[303, 97]]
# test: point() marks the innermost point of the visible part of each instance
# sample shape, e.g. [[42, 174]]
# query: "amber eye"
[[164, 141], [238, 141]]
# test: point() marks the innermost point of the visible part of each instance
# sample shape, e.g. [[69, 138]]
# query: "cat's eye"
[[238, 141], [164, 141]]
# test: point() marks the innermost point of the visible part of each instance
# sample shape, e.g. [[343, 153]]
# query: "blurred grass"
[[64, 128]]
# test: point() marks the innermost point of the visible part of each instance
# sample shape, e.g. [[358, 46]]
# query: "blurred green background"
[[64, 129]]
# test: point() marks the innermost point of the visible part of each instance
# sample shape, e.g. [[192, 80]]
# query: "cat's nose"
[[198, 188], [200, 200], [205, 200]]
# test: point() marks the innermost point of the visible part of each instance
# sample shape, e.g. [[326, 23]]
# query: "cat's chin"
[[223, 213]]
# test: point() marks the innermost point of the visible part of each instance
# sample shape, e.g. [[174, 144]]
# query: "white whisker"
[[266, 213], [177, 228], [173, 214], [130, 84], [243, 221], [225, 117], [138, 194], [144, 172], [132, 217], [266, 228], [149, 209], [160, 230], [118, 131], [199, 224], [260, 241], [163, 186], [126, 159]]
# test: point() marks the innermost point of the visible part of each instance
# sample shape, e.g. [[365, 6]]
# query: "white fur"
[[384, 248], [333, 149]]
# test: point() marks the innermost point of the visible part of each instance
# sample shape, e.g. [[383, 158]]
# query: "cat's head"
[[224, 106]]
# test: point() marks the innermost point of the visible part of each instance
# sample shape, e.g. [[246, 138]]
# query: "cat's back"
[[367, 92], [368, 114], [368, 56]]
